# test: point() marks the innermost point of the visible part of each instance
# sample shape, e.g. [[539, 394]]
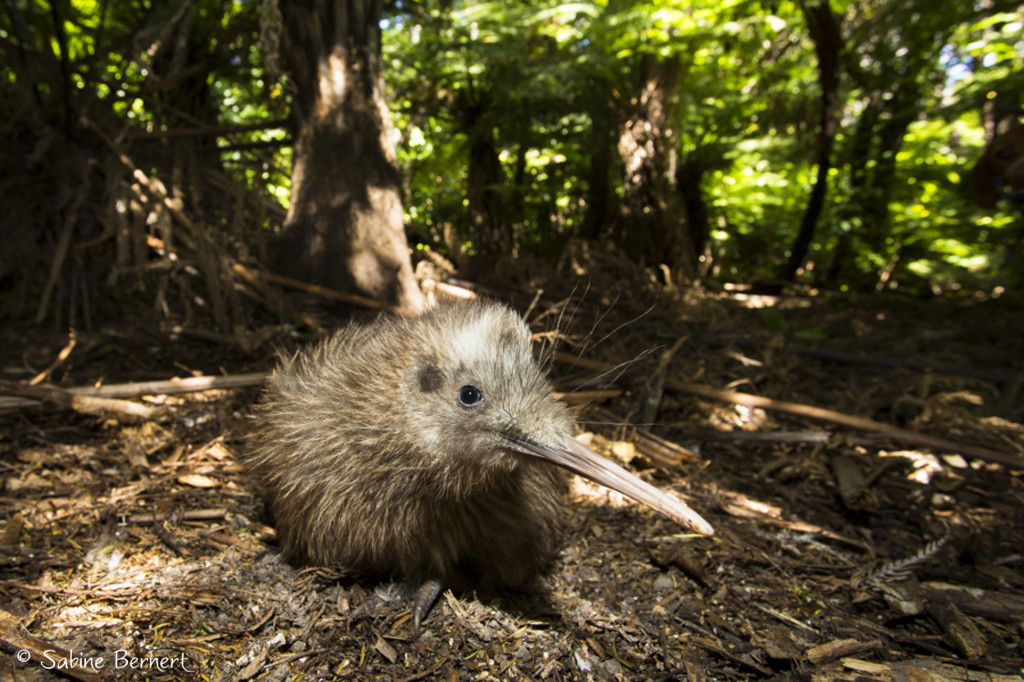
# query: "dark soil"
[[840, 553]]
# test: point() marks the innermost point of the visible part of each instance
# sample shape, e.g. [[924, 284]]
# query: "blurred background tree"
[[344, 226], [826, 143], [148, 145]]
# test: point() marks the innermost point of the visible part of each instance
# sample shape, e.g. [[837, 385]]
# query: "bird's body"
[[421, 449], [372, 462]]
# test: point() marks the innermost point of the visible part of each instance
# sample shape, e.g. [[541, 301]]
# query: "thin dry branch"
[[140, 388], [353, 299], [192, 515], [154, 187], [896, 433], [61, 357], [64, 243], [80, 403], [579, 397], [655, 389], [906, 436], [659, 451], [455, 291]]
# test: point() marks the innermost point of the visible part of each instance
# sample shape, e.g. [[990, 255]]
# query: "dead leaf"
[[386, 650], [198, 481]]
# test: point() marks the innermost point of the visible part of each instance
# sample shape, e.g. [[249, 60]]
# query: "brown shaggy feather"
[[371, 459]]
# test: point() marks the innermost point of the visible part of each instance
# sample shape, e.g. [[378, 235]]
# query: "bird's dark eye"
[[470, 395]]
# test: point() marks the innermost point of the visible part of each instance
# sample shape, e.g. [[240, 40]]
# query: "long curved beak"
[[580, 459]]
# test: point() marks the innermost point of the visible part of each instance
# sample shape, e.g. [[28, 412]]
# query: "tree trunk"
[[874, 145], [486, 184], [824, 30], [652, 216], [689, 178], [901, 110], [344, 228], [602, 145]]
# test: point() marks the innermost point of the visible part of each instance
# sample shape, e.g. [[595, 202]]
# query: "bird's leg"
[[424, 599]]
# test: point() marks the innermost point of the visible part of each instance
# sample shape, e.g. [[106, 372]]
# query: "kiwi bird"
[[428, 450]]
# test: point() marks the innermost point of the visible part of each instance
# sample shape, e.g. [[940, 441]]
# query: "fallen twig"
[[193, 515], [455, 291], [747, 400], [578, 397], [88, 404], [353, 299], [61, 357], [140, 388], [818, 413], [659, 451], [743, 507], [655, 388]]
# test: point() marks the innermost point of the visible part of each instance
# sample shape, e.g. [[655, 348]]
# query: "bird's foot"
[[425, 597]]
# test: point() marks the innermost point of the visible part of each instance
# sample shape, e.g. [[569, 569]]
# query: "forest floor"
[[841, 552]]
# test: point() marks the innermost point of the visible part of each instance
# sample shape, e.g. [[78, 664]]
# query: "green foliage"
[[160, 66], [914, 78], [551, 84], [802, 593]]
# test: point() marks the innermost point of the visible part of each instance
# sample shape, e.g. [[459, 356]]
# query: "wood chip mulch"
[[136, 547]]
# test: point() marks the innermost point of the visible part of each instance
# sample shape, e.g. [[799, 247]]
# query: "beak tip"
[[580, 459], [694, 521]]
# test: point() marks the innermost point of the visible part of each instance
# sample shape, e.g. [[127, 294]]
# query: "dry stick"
[[583, 363], [743, 507], [804, 436], [902, 435], [172, 386], [155, 188], [715, 646], [61, 357], [661, 452], [79, 403], [63, 246], [577, 397], [193, 515], [839, 648], [455, 291], [141, 388], [656, 387], [248, 274]]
